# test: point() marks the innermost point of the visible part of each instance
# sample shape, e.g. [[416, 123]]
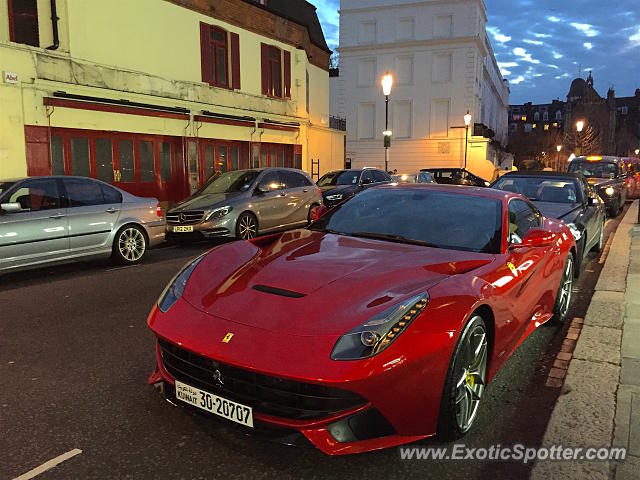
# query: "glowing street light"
[[559, 149], [467, 122], [579, 126], [387, 83]]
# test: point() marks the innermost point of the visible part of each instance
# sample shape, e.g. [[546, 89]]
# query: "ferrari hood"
[[310, 283]]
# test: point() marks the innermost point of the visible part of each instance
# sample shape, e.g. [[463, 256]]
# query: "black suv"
[[608, 176], [338, 185], [456, 176]]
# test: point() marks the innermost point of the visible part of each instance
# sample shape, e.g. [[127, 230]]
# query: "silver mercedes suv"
[[245, 203]]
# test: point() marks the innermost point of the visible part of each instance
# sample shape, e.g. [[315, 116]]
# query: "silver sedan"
[[58, 219]]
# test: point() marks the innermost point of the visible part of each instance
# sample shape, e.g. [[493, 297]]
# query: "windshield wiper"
[[392, 238]]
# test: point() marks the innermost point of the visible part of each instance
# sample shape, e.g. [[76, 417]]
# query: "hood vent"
[[278, 291]]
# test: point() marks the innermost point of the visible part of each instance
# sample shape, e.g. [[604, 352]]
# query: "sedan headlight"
[[217, 213], [173, 291], [575, 231], [379, 332], [337, 196], [610, 191]]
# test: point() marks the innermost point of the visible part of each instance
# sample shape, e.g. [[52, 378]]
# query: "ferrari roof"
[[455, 189]]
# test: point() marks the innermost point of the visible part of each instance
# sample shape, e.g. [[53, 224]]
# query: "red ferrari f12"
[[379, 324]]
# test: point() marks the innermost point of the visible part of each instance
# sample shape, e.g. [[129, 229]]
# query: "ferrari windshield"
[[231, 182], [541, 189], [343, 177], [594, 169], [419, 216]]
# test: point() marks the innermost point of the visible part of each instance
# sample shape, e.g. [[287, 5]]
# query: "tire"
[[465, 381], [130, 245], [598, 246], [563, 298], [246, 226]]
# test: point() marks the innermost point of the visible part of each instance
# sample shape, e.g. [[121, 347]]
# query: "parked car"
[[339, 185], [421, 177], [381, 323], [456, 176], [243, 204], [565, 196], [58, 219], [608, 175], [633, 176]]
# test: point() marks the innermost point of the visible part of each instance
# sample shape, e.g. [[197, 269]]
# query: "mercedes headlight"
[[217, 213], [575, 231], [610, 191], [380, 331], [173, 291], [337, 196]]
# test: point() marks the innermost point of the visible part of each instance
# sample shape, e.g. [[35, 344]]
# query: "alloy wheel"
[[247, 227], [131, 244], [566, 288], [471, 381]]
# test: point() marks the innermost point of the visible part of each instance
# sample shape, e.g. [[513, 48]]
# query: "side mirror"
[[11, 207], [536, 237], [593, 201], [317, 212]]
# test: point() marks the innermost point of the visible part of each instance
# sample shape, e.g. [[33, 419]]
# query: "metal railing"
[[338, 123]]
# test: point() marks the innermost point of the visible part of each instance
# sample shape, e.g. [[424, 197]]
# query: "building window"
[[276, 71], [536, 117], [558, 115], [367, 32], [442, 67], [443, 26], [402, 119], [23, 22], [217, 47], [367, 72], [366, 120], [545, 116]]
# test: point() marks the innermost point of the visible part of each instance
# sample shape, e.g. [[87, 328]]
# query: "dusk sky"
[[541, 44]]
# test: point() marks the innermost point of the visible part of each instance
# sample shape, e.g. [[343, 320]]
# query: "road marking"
[[49, 465]]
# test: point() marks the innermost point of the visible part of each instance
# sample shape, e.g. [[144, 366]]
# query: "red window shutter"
[[264, 49], [235, 61], [287, 73], [205, 52]]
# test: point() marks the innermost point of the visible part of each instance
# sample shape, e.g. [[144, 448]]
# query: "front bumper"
[[222, 227], [401, 387]]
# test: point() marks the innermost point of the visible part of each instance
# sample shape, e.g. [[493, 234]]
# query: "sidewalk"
[[599, 405]]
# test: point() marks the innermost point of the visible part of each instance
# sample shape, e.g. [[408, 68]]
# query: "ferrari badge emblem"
[[227, 337], [513, 268]]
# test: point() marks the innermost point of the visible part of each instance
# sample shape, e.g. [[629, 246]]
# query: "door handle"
[[57, 216], [305, 190], [111, 210]]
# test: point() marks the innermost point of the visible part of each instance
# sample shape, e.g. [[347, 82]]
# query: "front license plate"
[[211, 403], [183, 229]]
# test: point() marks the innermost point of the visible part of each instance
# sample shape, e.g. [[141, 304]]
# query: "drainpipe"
[[54, 26]]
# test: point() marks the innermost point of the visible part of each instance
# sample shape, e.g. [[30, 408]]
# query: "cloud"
[[557, 55], [554, 19], [505, 66], [588, 45], [635, 39], [564, 75], [542, 35], [517, 80], [498, 37], [524, 55], [533, 42], [585, 28]]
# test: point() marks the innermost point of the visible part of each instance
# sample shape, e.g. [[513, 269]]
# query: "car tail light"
[[158, 210], [317, 212]]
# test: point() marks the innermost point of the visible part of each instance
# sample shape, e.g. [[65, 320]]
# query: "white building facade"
[[443, 66]]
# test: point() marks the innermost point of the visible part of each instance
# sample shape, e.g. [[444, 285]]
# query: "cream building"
[[443, 66], [156, 95]]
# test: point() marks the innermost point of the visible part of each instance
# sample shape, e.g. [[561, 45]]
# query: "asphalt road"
[[75, 354]]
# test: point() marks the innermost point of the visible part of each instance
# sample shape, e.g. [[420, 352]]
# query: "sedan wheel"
[[130, 245], [563, 301], [246, 226], [466, 380]]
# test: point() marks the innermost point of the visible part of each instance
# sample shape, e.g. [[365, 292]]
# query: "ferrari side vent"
[[278, 291]]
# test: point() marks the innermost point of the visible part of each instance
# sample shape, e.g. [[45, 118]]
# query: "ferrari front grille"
[[266, 394]]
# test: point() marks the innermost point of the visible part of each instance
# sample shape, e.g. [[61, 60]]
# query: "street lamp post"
[[559, 149], [467, 122], [637, 152], [579, 128], [387, 83]]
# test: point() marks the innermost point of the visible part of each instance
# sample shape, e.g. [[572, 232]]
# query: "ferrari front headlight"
[[380, 331], [174, 290]]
